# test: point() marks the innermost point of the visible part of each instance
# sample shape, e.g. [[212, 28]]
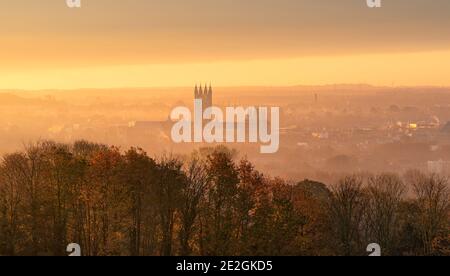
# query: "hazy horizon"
[[189, 87]]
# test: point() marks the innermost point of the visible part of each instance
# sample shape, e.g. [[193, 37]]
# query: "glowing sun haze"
[[113, 43]]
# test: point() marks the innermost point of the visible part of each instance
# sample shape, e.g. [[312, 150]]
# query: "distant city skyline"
[[155, 43]]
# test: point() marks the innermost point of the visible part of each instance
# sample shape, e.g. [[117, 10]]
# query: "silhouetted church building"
[[205, 95]]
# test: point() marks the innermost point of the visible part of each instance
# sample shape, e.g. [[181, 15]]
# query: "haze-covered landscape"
[[325, 130]]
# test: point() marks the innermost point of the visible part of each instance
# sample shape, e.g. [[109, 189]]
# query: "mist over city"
[[326, 130]]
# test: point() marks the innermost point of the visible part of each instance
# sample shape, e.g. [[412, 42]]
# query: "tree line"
[[113, 202]]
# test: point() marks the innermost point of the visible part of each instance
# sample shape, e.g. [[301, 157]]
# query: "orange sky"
[[143, 43]]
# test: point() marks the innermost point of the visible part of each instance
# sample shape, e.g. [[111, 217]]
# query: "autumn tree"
[[11, 205], [63, 173], [433, 201], [139, 174], [347, 209], [167, 193], [102, 208], [385, 193], [218, 218], [311, 199], [193, 192], [30, 174]]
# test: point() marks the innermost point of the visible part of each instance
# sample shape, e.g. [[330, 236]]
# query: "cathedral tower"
[[205, 94]]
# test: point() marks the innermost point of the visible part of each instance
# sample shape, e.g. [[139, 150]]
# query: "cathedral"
[[204, 94]]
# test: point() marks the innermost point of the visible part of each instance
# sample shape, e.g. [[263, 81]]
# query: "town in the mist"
[[327, 130]]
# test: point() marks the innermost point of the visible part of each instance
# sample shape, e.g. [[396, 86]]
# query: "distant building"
[[439, 167], [206, 95]]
